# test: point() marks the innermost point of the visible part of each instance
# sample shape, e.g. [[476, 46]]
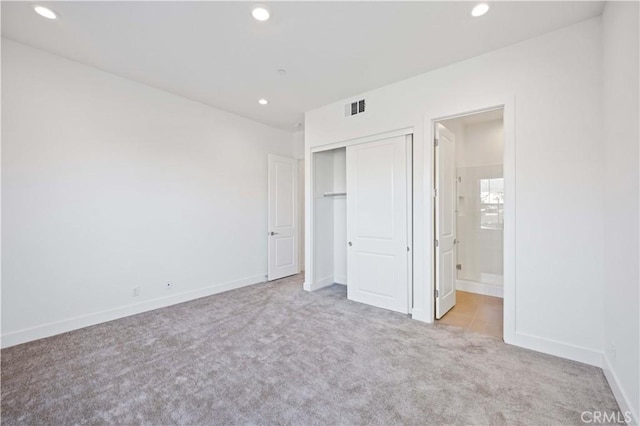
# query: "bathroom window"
[[492, 203]]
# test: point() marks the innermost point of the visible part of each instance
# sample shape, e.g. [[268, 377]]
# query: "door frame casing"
[[310, 279], [424, 304]]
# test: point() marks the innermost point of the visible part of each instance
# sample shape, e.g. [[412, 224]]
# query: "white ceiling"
[[216, 53]]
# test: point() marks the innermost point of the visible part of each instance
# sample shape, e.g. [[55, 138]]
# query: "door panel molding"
[[445, 220], [377, 223]]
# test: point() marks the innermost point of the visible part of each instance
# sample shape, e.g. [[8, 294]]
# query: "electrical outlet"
[[135, 292], [169, 285]]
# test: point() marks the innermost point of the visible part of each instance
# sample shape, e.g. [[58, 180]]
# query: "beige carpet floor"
[[274, 354]]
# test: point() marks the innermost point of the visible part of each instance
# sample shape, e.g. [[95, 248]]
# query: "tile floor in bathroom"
[[476, 313]]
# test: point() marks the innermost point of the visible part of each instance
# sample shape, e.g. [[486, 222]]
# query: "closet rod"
[[333, 194]]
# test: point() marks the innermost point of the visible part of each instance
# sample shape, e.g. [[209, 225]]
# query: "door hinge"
[[436, 293], [435, 142], [435, 243], [435, 192], [408, 249]]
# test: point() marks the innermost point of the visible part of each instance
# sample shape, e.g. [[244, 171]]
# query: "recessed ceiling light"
[[480, 9], [282, 71], [263, 101], [45, 12], [260, 13]]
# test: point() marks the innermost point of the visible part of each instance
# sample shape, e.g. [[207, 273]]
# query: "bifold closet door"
[[377, 249]]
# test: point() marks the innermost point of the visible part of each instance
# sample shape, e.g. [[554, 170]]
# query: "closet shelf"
[[333, 194]]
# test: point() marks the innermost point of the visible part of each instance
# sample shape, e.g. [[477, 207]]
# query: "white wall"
[[483, 144], [555, 81], [478, 143], [482, 159], [621, 200], [109, 185], [297, 141]]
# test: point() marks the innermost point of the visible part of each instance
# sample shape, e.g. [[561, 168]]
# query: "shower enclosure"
[[480, 202], [480, 229]]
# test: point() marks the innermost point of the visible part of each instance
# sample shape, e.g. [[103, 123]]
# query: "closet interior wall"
[[330, 217]]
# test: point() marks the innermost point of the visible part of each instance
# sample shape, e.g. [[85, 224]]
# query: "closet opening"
[[469, 211], [361, 220], [330, 217]]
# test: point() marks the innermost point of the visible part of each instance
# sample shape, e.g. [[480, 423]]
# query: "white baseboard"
[[480, 288], [51, 329], [561, 349], [539, 344], [618, 392], [323, 282]]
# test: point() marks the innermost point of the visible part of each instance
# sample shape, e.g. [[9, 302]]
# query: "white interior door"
[[283, 220], [445, 220], [377, 252]]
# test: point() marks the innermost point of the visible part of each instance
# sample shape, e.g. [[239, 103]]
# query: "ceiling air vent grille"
[[357, 107]]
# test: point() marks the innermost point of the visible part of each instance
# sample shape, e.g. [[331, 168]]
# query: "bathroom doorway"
[[469, 222]]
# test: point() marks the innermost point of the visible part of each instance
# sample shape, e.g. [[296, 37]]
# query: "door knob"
[[350, 243], [273, 233]]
